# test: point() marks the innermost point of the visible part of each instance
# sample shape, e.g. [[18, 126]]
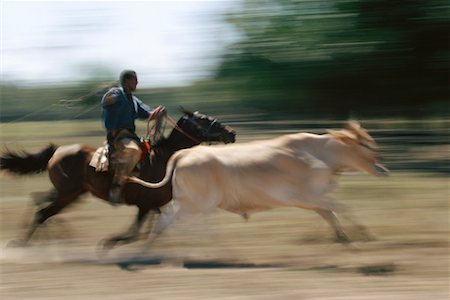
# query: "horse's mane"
[[161, 143]]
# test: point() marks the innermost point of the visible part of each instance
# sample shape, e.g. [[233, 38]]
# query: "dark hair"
[[125, 75]]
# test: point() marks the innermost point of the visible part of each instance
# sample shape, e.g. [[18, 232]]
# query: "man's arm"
[[109, 98], [143, 110]]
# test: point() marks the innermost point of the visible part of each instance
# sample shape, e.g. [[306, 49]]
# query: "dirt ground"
[[279, 254]]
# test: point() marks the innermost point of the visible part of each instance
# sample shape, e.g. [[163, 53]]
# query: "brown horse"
[[71, 175]]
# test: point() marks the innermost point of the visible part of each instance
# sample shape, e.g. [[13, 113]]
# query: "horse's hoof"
[[366, 237], [107, 244], [343, 239], [369, 238], [103, 248], [17, 244]]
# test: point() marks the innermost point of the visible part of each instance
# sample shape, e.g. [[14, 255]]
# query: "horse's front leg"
[[133, 232]]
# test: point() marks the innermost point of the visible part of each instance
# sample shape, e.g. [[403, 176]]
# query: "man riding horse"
[[120, 108]]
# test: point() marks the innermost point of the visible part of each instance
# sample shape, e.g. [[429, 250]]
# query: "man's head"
[[128, 80]]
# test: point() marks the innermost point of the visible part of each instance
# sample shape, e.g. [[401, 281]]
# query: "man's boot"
[[124, 163], [115, 191]]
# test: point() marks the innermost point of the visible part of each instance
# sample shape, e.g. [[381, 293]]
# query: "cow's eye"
[[366, 146]]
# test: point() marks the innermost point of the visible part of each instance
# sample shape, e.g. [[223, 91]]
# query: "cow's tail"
[[26, 163], [169, 173]]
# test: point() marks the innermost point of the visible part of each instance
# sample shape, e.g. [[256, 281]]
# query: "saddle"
[[100, 159]]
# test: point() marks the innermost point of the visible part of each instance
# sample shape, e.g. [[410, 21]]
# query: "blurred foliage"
[[296, 58], [334, 58]]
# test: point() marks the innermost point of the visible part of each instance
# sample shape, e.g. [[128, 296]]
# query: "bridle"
[[206, 133]]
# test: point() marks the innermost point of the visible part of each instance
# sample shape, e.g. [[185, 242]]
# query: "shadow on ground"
[[134, 264]]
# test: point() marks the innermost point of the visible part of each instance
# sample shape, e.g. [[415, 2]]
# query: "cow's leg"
[[165, 219], [330, 217], [345, 212], [326, 207], [362, 230]]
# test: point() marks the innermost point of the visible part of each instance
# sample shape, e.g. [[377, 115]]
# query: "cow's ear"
[[354, 126], [186, 112], [343, 136]]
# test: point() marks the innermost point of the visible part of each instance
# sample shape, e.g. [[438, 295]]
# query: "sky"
[[167, 42]]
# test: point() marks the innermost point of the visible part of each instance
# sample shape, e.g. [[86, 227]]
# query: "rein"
[[154, 132]]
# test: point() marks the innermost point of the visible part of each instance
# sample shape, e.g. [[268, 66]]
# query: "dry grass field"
[[280, 254]]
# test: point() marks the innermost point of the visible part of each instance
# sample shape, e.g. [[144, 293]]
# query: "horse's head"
[[205, 128]]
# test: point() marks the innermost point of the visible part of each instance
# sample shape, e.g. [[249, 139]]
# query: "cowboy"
[[120, 108]]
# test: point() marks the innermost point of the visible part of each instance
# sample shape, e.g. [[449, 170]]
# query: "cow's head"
[[205, 128], [361, 150]]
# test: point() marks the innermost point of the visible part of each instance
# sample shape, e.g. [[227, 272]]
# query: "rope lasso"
[[98, 89], [154, 133], [68, 103]]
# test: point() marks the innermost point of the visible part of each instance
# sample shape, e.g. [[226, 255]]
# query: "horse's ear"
[[186, 112]]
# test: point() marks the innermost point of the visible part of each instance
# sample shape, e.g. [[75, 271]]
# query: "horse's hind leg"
[[41, 198], [57, 203]]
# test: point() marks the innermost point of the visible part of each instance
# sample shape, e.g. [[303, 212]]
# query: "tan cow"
[[292, 170]]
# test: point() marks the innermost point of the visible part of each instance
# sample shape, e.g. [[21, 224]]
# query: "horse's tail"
[[27, 163], [171, 164]]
